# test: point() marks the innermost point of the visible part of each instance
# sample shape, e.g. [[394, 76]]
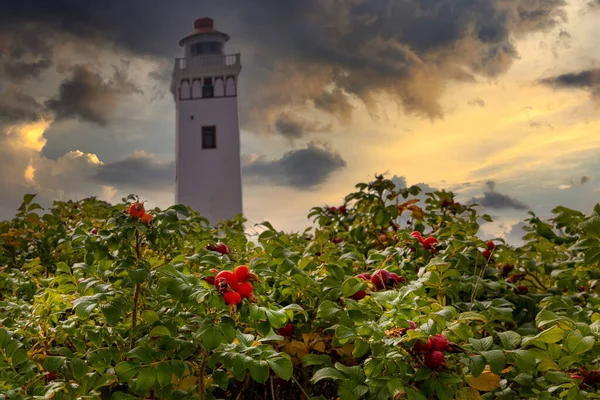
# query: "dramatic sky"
[[497, 100]]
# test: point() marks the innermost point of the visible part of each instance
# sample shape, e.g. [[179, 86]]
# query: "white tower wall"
[[208, 177]]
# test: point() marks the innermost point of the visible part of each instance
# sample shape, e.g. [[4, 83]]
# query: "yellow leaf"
[[346, 350], [468, 394], [296, 348], [485, 382], [186, 383], [320, 347]]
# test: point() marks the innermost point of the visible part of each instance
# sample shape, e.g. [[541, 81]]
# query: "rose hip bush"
[[386, 297]]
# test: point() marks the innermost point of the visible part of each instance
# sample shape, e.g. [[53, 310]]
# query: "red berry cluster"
[[487, 253], [137, 211], [220, 248], [336, 210], [429, 243], [589, 379], [234, 286], [381, 280], [433, 349]]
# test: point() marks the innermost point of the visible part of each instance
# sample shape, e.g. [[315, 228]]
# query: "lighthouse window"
[[198, 49], [208, 90], [209, 137]]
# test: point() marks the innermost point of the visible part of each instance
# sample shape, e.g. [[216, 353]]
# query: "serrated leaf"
[[496, 359], [212, 338], [259, 370], [282, 367], [145, 379], [53, 363], [510, 340], [327, 373], [164, 373]]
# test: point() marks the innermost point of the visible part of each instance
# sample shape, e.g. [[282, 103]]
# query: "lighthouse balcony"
[[221, 63]]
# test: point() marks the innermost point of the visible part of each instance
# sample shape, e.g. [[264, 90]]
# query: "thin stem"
[[201, 387], [136, 295], [536, 279], [300, 386], [272, 388]]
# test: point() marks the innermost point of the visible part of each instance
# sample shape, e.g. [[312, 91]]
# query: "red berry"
[[440, 342], [361, 294], [364, 276], [337, 240], [423, 347], [210, 280], [245, 289], [225, 279], [222, 248], [412, 325], [331, 210], [287, 330], [522, 289], [397, 278], [232, 298], [429, 243], [50, 377], [383, 279], [136, 210], [435, 359], [486, 254], [342, 209], [490, 245], [242, 272], [417, 235], [94, 231]]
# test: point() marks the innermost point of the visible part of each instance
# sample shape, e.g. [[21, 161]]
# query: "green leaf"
[[145, 379], [126, 370], [576, 344], [551, 335], [212, 338], [327, 373], [142, 353], [415, 394], [259, 370], [150, 316], [164, 373], [352, 285], [138, 276], [79, 368], [591, 226], [477, 365], [496, 359], [344, 334], [220, 379], [112, 312], [53, 363], [316, 359], [510, 340], [160, 331], [282, 367], [277, 319], [483, 344]]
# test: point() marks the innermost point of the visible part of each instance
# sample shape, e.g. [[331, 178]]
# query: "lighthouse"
[[207, 143]]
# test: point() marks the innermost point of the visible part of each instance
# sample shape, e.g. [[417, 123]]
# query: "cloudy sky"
[[497, 100]]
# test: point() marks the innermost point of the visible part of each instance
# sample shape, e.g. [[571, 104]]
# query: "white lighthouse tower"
[[208, 171]]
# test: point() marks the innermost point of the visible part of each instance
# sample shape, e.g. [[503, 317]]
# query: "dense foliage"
[[98, 303]]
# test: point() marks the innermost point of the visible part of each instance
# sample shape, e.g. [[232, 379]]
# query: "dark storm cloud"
[[138, 171], [305, 52], [301, 169], [18, 106], [86, 95], [588, 80], [495, 200], [293, 127]]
